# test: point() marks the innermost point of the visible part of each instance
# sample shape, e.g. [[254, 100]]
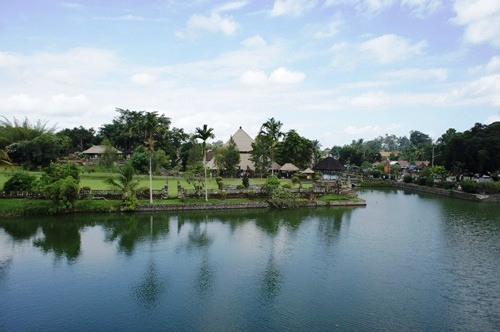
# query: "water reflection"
[[62, 239]]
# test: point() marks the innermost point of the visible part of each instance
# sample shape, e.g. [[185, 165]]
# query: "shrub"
[[469, 186], [223, 195], [245, 181], [287, 186], [376, 173], [429, 181], [220, 184], [86, 188], [300, 176], [240, 186], [218, 179], [271, 184], [491, 188], [407, 178], [251, 194], [19, 181], [421, 180], [447, 184], [295, 180]]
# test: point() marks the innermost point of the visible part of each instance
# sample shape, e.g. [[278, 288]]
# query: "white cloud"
[[254, 42], [384, 50], [371, 130], [213, 23], [421, 74], [19, 102], [491, 67], [481, 20], [280, 75], [330, 30], [390, 48], [143, 78], [230, 6], [371, 100], [251, 77], [292, 7], [9, 60], [423, 8], [286, 76], [483, 91]]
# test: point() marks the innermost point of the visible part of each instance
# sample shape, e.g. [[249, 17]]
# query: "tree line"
[[155, 145]]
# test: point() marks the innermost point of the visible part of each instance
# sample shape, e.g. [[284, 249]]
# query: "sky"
[[333, 70]]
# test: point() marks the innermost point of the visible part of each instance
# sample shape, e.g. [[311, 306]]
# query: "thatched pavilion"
[[330, 166]]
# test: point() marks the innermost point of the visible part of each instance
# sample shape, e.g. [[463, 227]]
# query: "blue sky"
[[334, 70]]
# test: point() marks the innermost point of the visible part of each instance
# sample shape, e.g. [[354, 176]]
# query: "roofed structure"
[[98, 150], [289, 167], [329, 164], [243, 143]]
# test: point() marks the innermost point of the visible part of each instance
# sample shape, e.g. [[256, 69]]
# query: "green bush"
[[220, 184], [218, 179], [429, 181], [240, 186], [421, 180], [469, 186], [251, 194], [491, 188], [300, 176], [447, 185], [407, 178], [223, 195], [272, 182], [19, 181], [287, 186], [376, 173], [245, 181]]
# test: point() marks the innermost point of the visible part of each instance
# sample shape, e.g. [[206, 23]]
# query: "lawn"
[[95, 181]]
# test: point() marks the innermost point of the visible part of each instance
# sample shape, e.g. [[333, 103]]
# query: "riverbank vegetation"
[[145, 150]]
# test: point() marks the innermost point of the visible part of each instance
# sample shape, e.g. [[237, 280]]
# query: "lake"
[[405, 262]]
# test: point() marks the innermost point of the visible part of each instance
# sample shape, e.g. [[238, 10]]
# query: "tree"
[[127, 184], [109, 156], [296, 149], [19, 181], [60, 182], [17, 131], [260, 156], [204, 133], [39, 152], [271, 131], [79, 137], [228, 157]]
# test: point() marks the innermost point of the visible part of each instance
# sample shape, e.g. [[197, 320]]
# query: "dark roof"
[[329, 164]]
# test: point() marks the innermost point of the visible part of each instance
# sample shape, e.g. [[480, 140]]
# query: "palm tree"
[[204, 134], [271, 130], [150, 125], [125, 181]]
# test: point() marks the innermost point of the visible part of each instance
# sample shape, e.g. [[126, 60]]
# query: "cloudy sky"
[[334, 70]]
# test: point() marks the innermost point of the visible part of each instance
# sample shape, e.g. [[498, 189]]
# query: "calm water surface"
[[405, 262]]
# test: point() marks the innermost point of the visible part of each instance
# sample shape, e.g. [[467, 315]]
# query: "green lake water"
[[405, 262]]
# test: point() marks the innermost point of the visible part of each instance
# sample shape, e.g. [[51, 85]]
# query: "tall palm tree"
[[204, 134], [150, 124], [271, 130]]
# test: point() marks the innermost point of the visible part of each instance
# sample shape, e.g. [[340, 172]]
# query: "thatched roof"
[[243, 141], [98, 149], [329, 164], [308, 171], [289, 167]]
